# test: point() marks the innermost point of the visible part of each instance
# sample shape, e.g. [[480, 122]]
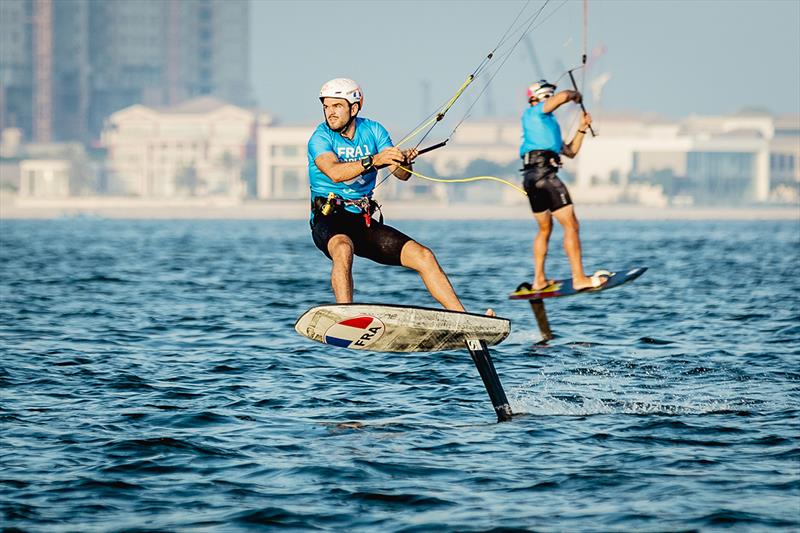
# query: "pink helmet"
[[541, 90]]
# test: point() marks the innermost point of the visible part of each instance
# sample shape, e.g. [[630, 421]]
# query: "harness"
[[541, 158], [334, 204]]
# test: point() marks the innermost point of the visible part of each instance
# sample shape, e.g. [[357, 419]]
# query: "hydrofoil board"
[[563, 287], [394, 328]]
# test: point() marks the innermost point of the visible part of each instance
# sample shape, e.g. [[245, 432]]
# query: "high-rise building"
[[16, 65], [65, 66], [70, 71]]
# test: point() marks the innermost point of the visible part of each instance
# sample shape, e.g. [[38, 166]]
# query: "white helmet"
[[342, 88], [541, 90]]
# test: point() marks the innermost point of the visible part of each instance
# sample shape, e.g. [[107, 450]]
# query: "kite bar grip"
[[432, 148], [583, 108]]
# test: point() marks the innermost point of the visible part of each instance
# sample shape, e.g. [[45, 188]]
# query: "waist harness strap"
[[332, 204], [541, 158]]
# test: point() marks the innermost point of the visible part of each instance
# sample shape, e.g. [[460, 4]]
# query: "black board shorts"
[[546, 192], [378, 242]]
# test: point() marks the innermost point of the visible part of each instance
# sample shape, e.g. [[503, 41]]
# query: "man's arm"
[[339, 171], [559, 99], [571, 150], [408, 158]]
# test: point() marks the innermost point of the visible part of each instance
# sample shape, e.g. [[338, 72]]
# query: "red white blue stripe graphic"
[[358, 332]]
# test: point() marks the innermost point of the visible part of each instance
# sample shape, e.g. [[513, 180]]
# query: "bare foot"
[[587, 282], [539, 286]]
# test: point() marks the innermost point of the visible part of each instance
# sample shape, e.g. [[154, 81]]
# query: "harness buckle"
[[327, 207], [365, 204], [542, 158]]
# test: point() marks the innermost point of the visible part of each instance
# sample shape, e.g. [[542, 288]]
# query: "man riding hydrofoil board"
[[541, 151], [344, 154]]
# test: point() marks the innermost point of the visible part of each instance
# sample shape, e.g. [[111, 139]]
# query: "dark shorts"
[[546, 192], [378, 242]]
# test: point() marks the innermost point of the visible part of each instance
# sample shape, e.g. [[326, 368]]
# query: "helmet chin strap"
[[341, 130]]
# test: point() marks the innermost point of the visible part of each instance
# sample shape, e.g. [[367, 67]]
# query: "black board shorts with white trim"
[[379, 242], [546, 192]]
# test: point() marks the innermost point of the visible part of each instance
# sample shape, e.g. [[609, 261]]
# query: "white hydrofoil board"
[[393, 328]]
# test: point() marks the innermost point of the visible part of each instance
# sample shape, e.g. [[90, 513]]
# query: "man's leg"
[[545, 221], [340, 247], [572, 245], [420, 258]]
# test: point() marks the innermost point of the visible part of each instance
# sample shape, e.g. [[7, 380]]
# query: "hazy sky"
[[672, 57]]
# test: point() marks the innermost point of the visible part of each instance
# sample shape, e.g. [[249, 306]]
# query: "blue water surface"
[[151, 379]]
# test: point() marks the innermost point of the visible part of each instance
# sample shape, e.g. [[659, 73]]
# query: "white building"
[[747, 157], [480, 147], [714, 159], [642, 160], [784, 164], [496, 141], [198, 148], [282, 161], [45, 178], [55, 170]]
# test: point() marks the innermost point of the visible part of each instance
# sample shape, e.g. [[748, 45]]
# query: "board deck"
[[563, 287], [394, 328]]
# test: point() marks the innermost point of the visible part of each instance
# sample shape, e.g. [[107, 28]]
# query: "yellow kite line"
[[440, 115], [466, 180]]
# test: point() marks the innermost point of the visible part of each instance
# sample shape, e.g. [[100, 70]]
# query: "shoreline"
[[131, 208]]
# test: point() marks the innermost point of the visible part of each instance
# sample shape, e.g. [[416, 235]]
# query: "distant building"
[[495, 141], [198, 148], [56, 170], [784, 160], [730, 159], [282, 161], [478, 148], [45, 178], [9, 175], [66, 65], [747, 158]]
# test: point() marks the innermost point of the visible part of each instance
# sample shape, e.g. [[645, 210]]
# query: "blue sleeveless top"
[[540, 131]]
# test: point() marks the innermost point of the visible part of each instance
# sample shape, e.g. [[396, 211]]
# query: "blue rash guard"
[[540, 131], [369, 139]]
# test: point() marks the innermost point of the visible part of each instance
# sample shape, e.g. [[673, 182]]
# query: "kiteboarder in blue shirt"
[[344, 154], [540, 151]]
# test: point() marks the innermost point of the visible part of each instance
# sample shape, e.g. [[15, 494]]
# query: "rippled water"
[[151, 379]]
